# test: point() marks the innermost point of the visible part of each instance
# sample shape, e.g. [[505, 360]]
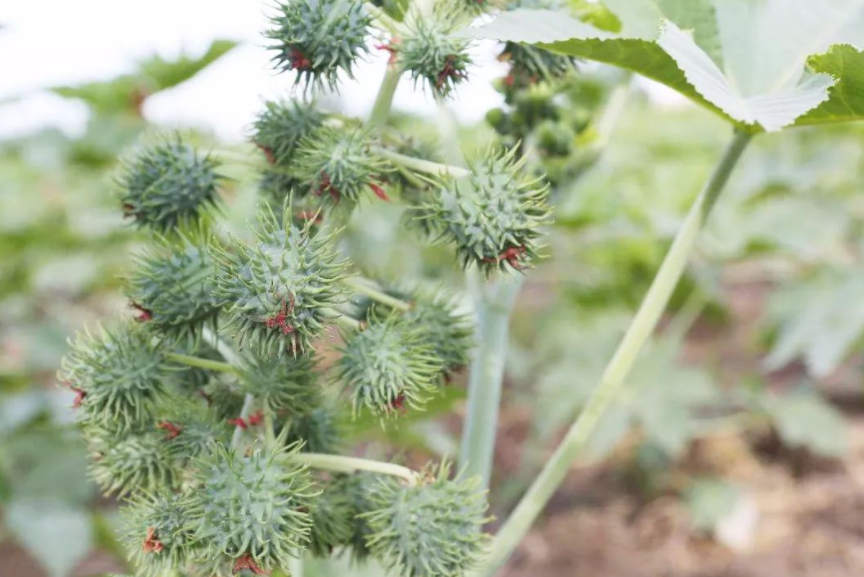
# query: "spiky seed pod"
[[358, 488], [431, 530], [277, 290], [189, 428], [389, 367], [129, 462], [529, 65], [449, 332], [157, 534], [167, 184], [288, 386], [332, 517], [431, 54], [173, 285], [338, 164], [223, 397], [278, 130], [118, 375], [493, 217], [250, 510], [319, 38], [319, 431]]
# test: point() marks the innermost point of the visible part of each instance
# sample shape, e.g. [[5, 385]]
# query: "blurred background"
[[738, 448]]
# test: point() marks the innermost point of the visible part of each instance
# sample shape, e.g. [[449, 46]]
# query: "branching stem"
[[342, 464], [202, 363], [365, 287], [420, 165], [605, 393]]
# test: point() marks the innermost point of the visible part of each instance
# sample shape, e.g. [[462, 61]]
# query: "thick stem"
[[342, 464], [201, 363], [420, 165], [384, 100], [364, 287], [640, 331], [494, 305], [343, 320], [248, 402]]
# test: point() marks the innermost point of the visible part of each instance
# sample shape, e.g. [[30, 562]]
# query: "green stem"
[[233, 358], [342, 464], [494, 305], [420, 165], [643, 325], [384, 100], [248, 402], [201, 363], [364, 287], [343, 320]]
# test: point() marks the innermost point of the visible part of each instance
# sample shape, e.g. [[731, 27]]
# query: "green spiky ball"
[[250, 508], [277, 290], [320, 431], [494, 217], [156, 533], [118, 375], [287, 386], [431, 530], [123, 463], [319, 38], [332, 517], [173, 285], [167, 184], [432, 55], [278, 130], [389, 367], [189, 428], [338, 164]]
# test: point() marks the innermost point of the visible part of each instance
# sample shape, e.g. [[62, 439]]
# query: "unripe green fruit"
[[277, 291], [431, 530], [338, 164], [288, 386], [134, 461], [332, 517], [432, 55], [555, 138], [389, 367], [167, 184], [493, 217], [320, 431], [250, 508], [189, 428], [173, 285], [319, 38], [157, 533], [448, 332], [117, 375]]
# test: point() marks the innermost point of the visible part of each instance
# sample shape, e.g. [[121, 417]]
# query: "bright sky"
[[55, 42]]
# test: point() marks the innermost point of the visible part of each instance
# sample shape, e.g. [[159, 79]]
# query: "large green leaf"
[[758, 63], [125, 93]]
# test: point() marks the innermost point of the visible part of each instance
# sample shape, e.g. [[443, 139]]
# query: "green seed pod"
[[530, 64], [167, 184], [127, 462], [277, 291], [189, 428], [449, 333], [320, 431], [555, 138], [118, 375], [431, 54], [338, 164], [288, 386], [493, 217], [432, 530], [173, 286], [332, 516], [157, 534], [359, 487], [319, 38], [278, 131], [250, 512], [389, 367]]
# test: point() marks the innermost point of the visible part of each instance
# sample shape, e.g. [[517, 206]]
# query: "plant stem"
[[342, 464], [384, 100], [248, 401], [421, 165], [641, 328], [494, 305], [364, 287], [230, 355], [343, 320], [201, 363]]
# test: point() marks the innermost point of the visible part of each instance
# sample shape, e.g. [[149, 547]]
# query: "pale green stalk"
[[366, 288], [420, 165], [201, 363], [340, 464], [494, 303], [643, 325], [384, 100]]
